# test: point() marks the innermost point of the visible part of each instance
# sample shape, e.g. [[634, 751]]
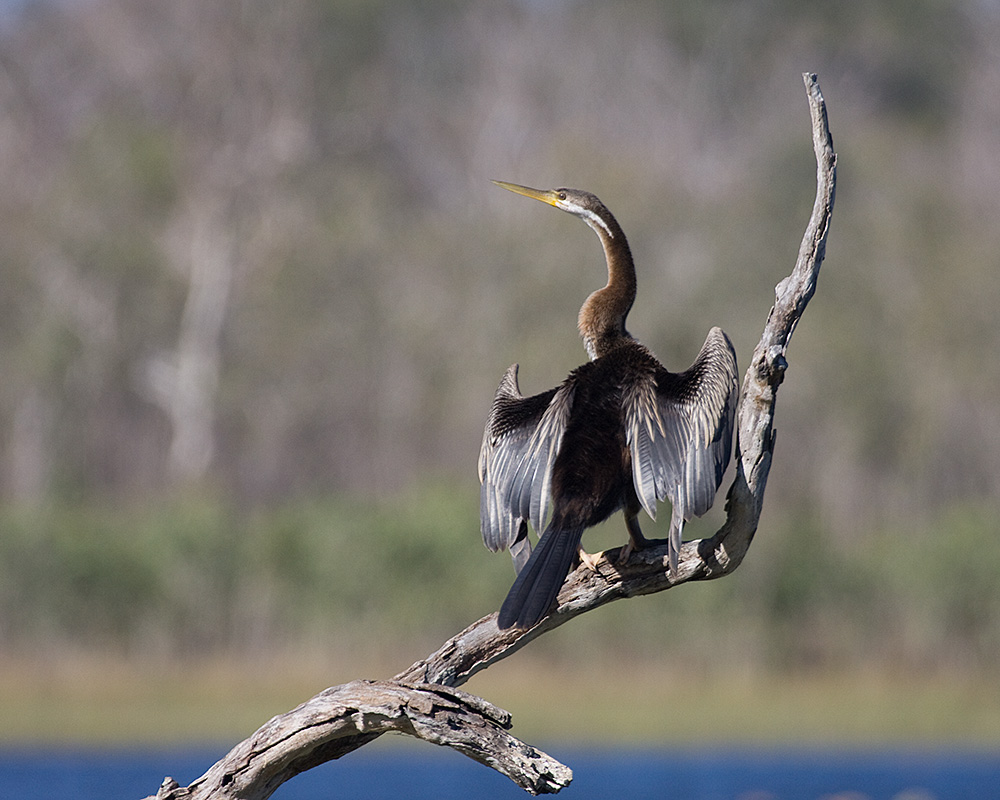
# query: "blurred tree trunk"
[[184, 382]]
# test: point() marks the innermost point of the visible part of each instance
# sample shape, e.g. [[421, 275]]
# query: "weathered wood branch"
[[422, 701], [343, 718]]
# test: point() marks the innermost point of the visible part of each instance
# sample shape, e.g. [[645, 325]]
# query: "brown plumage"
[[621, 432]]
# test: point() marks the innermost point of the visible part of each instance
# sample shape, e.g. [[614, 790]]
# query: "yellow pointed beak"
[[545, 195]]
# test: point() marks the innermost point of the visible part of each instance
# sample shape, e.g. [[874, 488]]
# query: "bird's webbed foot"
[[636, 541], [590, 560]]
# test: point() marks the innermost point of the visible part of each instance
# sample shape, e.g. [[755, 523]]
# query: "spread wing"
[[520, 444], [680, 432]]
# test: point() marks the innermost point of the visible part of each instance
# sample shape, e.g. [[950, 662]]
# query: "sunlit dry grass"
[[643, 705], [100, 701]]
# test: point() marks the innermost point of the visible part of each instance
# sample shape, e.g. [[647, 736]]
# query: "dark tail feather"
[[539, 581]]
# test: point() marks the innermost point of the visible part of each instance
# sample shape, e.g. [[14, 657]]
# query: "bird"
[[621, 432]]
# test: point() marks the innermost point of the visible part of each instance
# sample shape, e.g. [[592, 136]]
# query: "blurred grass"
[[646, 704], [197, 620], [101, 702]]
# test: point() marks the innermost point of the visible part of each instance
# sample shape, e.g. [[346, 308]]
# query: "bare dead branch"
[[343, 718], [417, 702]]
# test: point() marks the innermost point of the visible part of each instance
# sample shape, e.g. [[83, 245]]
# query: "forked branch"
[[422, 700]]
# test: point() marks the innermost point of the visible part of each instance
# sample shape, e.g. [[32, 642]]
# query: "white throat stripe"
[[596, 222]]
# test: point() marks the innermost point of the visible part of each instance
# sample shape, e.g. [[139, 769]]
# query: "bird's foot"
[[633, 546], [626, 552], [590, 561], [636, 541]]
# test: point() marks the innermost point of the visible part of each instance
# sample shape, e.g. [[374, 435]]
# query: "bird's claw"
[[590, 561]]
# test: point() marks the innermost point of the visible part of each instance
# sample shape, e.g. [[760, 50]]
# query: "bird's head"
[[577, 202]]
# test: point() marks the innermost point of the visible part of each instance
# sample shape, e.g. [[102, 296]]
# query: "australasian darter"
[[621, 432]]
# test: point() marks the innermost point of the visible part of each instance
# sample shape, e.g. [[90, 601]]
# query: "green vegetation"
[[279, 602], [206, 578]]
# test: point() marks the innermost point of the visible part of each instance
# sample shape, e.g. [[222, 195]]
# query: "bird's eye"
[[561, 195]]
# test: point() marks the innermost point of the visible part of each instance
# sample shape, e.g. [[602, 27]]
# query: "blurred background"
[[258, 292]]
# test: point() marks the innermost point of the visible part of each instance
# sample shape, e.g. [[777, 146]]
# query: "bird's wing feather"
[[520, 443], [680, 429]]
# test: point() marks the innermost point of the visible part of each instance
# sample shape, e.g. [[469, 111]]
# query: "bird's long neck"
[[602, 317]]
